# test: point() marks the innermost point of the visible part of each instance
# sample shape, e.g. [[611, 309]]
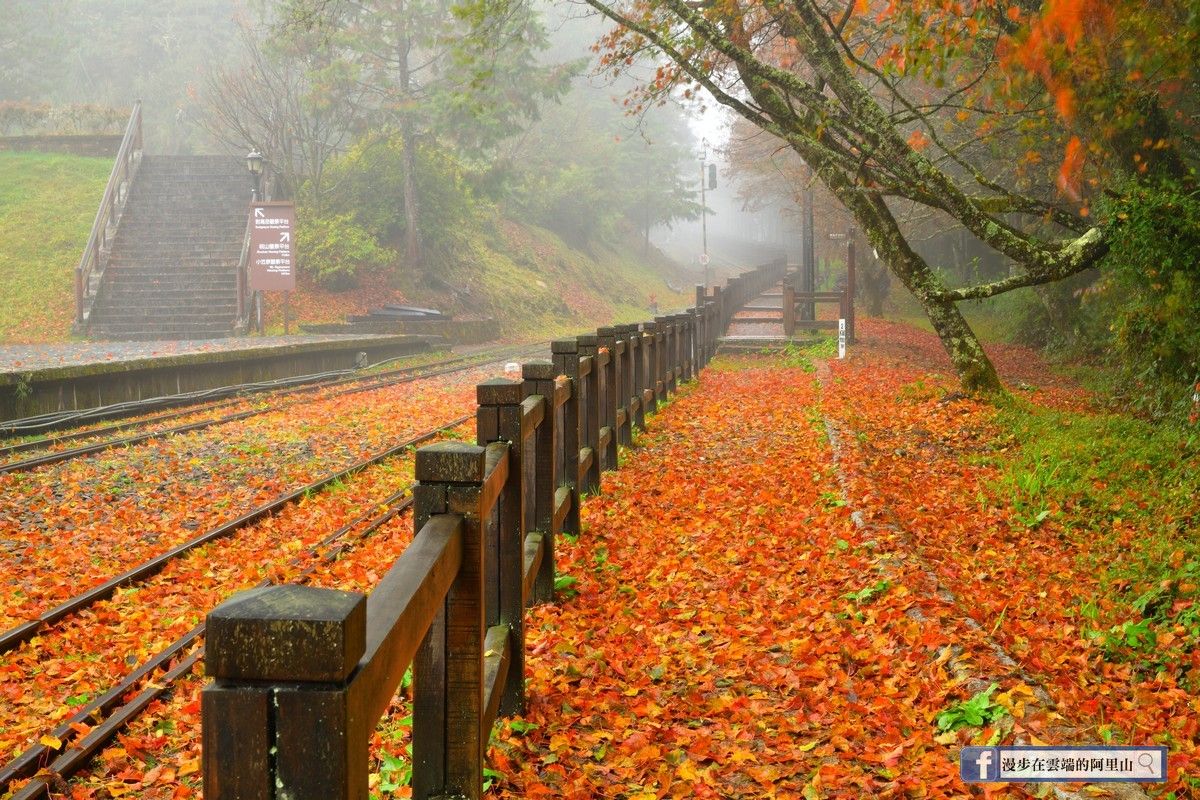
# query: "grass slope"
[[47, 204], [527, 278]]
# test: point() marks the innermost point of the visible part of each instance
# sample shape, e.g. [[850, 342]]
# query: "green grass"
[[1095, 472], [47, 204], [538, 287]]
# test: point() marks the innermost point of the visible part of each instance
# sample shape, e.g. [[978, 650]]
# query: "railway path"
[[799, 576]]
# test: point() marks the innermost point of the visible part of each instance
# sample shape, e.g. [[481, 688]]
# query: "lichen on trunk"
[[975, 370]]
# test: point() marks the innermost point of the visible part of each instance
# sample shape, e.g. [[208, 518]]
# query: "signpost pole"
[[286, 311]]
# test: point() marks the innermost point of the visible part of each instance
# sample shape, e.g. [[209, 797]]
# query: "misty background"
[[523, 121]]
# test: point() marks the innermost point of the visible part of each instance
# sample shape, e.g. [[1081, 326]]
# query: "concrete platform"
[[45, 378]]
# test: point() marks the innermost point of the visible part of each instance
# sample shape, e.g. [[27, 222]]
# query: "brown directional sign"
[[272, 250]]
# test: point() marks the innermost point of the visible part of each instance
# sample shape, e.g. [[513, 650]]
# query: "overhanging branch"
[[1080, 254]]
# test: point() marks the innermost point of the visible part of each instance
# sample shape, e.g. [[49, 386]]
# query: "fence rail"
[[116, 192], [302, 675], [806, 302]]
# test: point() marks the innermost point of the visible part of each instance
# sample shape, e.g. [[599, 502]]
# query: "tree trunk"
[[412, 215], [646, 225], [974, 368]]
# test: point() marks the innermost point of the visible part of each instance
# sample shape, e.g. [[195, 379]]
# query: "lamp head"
[[254, 162]]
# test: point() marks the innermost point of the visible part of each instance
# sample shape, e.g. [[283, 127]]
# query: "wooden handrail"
[[303, 675], [402, 606], [533, 411], [116, 192]]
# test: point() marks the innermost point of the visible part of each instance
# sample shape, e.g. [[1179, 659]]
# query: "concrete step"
[[195, 293], [172, 272], [156, 334], [762, 344], [167, 261], [181, 277], [182, 320], [164, 249], [191, 295], [173, 268]]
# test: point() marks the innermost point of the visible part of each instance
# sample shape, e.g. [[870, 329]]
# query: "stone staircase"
[[172, 272]]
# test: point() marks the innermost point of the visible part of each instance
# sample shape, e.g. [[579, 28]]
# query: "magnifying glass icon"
[[1146, 762]]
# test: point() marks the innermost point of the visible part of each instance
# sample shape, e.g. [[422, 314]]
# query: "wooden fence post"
[[663, 328], [680, 348], [606, 339], [650, 345], [692, 369], [566, 362], [673, 366], [498, 419], [719, 314], [627, 335], [589, 412], [637, 376], [789, 308], [278, 721], [448, 680], [714, 326], [540, 380], [672, 352]]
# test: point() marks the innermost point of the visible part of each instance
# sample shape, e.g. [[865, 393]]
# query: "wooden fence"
[[303, 675], [799, 308]]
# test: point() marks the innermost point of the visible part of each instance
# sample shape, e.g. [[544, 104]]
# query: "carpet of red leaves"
[[717, 642]]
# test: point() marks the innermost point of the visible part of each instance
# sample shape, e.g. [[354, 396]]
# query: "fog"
[[174, 54]]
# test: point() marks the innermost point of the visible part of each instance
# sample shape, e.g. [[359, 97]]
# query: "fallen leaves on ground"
[[732, 632], [714, 648], [70, 526]]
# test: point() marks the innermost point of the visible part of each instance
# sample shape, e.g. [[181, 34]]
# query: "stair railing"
[[243, 280], [116, 193]]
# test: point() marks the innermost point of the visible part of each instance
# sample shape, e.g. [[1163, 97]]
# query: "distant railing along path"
[[116, 192], [303, 675]]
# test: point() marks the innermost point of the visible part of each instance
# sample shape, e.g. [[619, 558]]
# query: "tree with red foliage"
[[1005, 118]]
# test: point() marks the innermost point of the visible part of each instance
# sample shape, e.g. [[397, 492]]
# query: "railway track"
[[72, 743], [219, 396], [69, 528], [13, 637], [370, 383], [70, 746]]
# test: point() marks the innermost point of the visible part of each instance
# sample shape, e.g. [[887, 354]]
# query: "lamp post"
[[703, 206], [254, 164]]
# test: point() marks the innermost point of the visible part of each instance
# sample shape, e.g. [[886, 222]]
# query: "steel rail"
[[395, 379], [26, 630]]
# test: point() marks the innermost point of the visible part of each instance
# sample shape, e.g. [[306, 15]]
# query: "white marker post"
[[841, 338]]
